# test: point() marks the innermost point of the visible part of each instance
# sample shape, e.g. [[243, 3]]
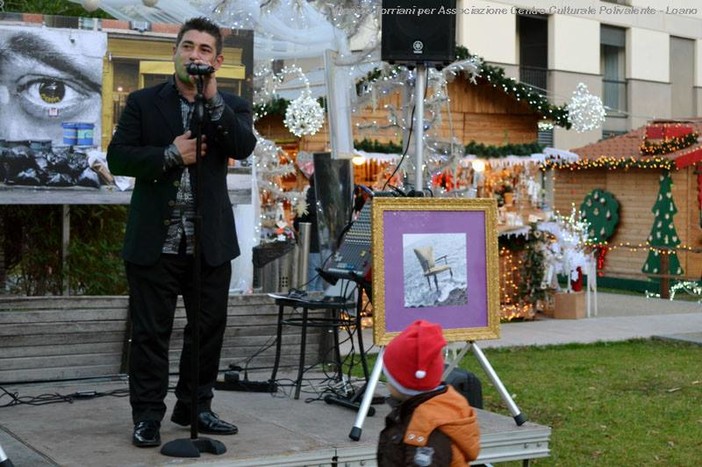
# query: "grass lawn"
[[627, 403], [619, 404]]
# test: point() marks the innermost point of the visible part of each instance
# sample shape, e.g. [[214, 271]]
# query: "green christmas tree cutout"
[[663, 235]]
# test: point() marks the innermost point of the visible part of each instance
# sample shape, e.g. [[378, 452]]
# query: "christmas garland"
[[668, 145], [491, 151], [278, 106], [538, 103], [496, 76], [479, 149], [611, 163], [375, 146]]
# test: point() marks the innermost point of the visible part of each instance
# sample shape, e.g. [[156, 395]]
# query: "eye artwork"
[[48, 77], [50, 86]]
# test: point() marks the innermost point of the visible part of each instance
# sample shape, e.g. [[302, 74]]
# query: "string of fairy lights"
[[653, 152], [611, 163], [667, 145]]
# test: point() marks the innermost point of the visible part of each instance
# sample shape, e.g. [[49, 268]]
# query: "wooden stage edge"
[[274, 430]]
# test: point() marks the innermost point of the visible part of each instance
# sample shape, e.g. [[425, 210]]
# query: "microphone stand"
[[194, 446]]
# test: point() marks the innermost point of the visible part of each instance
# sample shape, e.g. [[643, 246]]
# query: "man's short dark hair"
[[201, 24]]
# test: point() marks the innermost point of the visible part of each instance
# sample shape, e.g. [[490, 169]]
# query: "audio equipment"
[[353, 259], [418, 31]]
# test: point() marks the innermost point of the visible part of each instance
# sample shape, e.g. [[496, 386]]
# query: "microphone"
[[199, 69]]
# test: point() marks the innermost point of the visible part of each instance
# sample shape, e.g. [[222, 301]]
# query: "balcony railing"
[[614, 96], [536, 77]]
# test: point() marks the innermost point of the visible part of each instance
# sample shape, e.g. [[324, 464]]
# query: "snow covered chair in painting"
[[425, 255]]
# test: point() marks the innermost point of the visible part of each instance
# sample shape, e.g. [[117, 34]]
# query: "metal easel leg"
[[355, 433], [518, 416], [485, 364], [4, 461]]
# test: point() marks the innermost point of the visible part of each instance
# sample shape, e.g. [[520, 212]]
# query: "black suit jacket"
[[149, 123]]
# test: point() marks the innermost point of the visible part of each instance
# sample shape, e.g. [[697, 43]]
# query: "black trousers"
[[153, 292]]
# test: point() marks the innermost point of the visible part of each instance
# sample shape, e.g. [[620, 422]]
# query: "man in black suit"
[[155, 144]]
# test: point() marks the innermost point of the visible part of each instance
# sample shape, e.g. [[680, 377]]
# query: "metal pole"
[[65, 242], [305, 229], [367, 397], [420, 86], [4, 461], [511, 406]]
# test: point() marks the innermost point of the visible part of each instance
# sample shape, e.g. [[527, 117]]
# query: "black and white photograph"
[[434, 269], [50, 104]]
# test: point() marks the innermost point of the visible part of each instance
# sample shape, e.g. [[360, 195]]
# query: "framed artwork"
[[435, 259]]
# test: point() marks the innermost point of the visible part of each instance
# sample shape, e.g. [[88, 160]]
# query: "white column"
[[339, 86]]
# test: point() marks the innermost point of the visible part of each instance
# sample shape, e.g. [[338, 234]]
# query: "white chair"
[[425, 255]]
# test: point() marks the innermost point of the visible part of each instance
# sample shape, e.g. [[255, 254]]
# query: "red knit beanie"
[[413, 361]]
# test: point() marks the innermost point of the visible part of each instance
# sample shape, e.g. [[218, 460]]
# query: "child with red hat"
[[430, 423]]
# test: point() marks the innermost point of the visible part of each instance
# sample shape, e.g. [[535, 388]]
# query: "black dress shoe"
[[207, 421], [146, 434]]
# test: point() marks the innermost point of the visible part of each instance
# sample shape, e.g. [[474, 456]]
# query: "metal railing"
[[536, 77], [614, 96]]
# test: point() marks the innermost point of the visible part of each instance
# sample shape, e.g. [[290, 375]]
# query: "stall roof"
[[629, 144]]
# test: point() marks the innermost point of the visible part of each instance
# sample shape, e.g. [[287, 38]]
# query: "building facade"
[[642, 58]]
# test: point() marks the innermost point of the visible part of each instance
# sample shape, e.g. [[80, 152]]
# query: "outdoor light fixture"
[[358, 159], [90, 5]]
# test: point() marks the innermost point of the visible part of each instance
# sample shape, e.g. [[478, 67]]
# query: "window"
[[533, 51], [613, 69], [682, 77]]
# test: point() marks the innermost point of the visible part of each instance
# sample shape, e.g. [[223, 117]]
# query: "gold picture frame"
[[435, 259]]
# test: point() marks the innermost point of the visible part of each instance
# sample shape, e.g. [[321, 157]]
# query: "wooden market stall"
[[632, 169], [480, 112]]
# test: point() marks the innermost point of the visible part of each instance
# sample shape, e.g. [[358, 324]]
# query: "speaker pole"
[[419, 87]]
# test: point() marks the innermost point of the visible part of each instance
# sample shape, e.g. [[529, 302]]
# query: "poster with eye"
[[50, 104]]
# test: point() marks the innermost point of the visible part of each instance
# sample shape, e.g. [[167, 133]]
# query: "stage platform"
[[274, 430]]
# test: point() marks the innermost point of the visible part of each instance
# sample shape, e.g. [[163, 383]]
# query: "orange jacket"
[[440, 420], [450, 413]]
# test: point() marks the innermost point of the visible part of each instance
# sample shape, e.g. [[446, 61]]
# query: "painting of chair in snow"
[[428, 277], [435, 259], [425, 255]]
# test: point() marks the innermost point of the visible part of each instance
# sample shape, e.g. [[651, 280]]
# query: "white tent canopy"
[[284, 28]]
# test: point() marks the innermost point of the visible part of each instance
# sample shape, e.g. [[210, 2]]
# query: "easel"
[[4, 461], [519, 417]]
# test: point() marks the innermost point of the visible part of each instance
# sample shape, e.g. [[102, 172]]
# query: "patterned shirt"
[[183, 214]]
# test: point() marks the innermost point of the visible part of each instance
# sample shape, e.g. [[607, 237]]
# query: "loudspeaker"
[[468, 385], [418, 31]]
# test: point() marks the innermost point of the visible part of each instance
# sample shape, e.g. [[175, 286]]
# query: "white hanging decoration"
[[304, 116], [90, 5], [585, 111], [301, 207]]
